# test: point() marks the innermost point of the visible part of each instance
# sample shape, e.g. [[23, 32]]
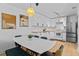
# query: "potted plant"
[[30, 36]]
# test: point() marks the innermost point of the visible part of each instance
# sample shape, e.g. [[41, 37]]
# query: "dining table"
[[35, 44]]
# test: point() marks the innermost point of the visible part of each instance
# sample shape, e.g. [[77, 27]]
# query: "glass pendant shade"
[[30, 11]]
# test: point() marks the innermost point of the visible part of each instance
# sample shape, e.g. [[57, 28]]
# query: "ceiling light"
[[31, 11]]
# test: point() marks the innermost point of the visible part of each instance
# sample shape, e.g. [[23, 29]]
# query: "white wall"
[[7, 35]]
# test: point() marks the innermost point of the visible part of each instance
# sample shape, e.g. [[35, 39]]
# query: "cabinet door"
[[52, 36], [52, 23], [59, 36], [64, 36]]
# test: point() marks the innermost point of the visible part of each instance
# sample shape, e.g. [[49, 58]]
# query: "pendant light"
[[30, 11]]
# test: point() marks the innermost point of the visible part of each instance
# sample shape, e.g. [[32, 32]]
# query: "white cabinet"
[[60, 36], [64, 36], [52, 35], [52, 23], [61, 23]]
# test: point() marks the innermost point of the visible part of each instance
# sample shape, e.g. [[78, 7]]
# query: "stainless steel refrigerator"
[[71, 28]]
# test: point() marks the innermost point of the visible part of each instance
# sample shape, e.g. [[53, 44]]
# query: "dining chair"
[[17, 45], [59, 51], [16, 52], [18, 36], [36, 36], [42, 37]]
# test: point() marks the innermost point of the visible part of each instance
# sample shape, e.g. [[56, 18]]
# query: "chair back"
[[43, 37], [59, 51], [36, 36], [18, 36]]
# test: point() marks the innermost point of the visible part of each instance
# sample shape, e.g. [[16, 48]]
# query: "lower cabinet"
[[60, 36]]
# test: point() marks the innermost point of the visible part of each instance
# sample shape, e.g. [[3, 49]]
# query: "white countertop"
[[36, 44], [50, 30]]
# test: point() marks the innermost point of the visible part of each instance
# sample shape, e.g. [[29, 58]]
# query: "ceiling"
[[50, 9]]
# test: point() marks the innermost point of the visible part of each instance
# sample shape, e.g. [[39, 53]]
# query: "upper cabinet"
[[61, 23], [52, 23], [57, 23]]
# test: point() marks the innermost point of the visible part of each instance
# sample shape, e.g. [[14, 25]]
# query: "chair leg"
[[53, 54]]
